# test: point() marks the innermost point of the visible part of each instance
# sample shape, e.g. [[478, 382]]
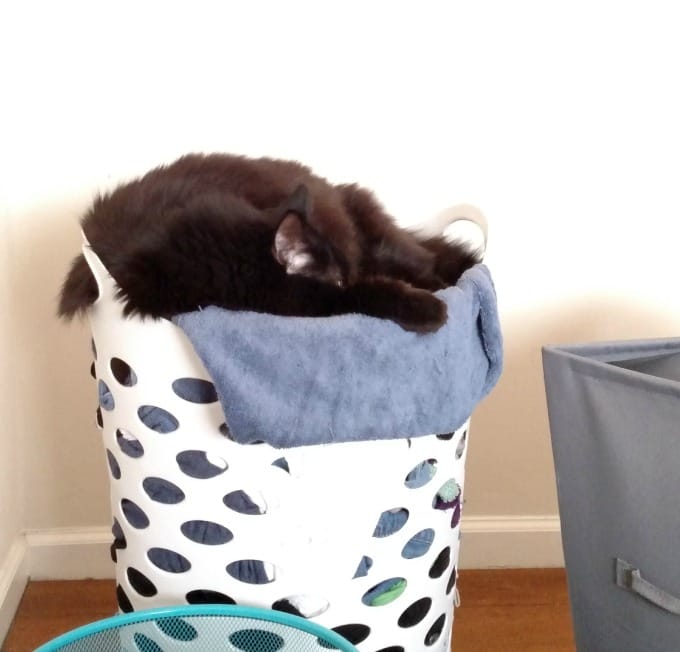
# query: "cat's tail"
[[79, 290], [463, 224]]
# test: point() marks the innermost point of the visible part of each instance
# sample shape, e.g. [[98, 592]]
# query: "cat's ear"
[[292, 244], [300, 203]]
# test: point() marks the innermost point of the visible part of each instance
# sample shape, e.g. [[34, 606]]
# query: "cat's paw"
[[412, 308], [421, 312]]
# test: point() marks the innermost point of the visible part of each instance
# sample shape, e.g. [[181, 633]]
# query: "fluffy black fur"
[[264, 235]]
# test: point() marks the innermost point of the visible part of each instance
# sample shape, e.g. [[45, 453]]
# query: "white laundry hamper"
[[360, 537]]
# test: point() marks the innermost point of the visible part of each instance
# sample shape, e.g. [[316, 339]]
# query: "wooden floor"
[[501, 611], [513, 611]]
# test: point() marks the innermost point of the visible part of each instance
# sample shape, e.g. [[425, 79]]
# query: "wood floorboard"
[[513, 610], [519, 610], [48, 609]]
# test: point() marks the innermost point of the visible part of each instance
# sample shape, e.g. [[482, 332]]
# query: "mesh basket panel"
[[193, 633]]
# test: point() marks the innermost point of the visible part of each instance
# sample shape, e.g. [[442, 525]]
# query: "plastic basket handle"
[[628, 577], [438, 224]]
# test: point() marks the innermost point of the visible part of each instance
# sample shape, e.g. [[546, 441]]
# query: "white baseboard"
[[511, 542], [79, 553], [70, 553], [13, 578], [487, 542]]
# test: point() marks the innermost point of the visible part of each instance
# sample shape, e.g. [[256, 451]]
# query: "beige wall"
[[63, 470], [561, 124], [10, 438]]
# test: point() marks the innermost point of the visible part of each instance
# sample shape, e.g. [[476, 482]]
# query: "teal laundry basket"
[[201, 628]]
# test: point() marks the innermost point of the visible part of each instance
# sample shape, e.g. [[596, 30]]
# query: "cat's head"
[[301, 249]]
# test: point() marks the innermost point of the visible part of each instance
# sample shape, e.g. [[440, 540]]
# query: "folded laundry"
[[295, 381]]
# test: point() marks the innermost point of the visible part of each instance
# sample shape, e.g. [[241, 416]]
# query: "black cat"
[[264, 235]]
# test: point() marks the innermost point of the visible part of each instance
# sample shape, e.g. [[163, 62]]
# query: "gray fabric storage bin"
[[614, 413]]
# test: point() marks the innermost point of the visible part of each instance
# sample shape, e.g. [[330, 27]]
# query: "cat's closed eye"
[[326, 272]]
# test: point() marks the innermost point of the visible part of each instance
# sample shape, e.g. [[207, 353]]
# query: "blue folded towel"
[[295, 381]]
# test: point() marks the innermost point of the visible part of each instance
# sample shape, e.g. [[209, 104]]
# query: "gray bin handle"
[[628, 577]]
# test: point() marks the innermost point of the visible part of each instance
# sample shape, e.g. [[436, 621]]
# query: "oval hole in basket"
[[391, 521], [105, 396], [157, 419], [141, 583], [452, 580], [195, 390], [415, 613], [392, 648], [100, 419], [384, 592], [119, 541], [441, 563], [114, 467], [354, 633], [206, 532], [252, 571], [123, 372], [305, 606], [118, 534], [177, 628], [256, 640], [435, 631], [282, 463], [252, 504], [168, 560], [200, 464], [447, 495], [460, 449], [363, 567], [93, 371], [448, 436], [145, 644], [162, 491], [207, 596], [123, 601], [129, 444], [418, 544], [134, 514], [455, 517], [226, 432], [421, 474]]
